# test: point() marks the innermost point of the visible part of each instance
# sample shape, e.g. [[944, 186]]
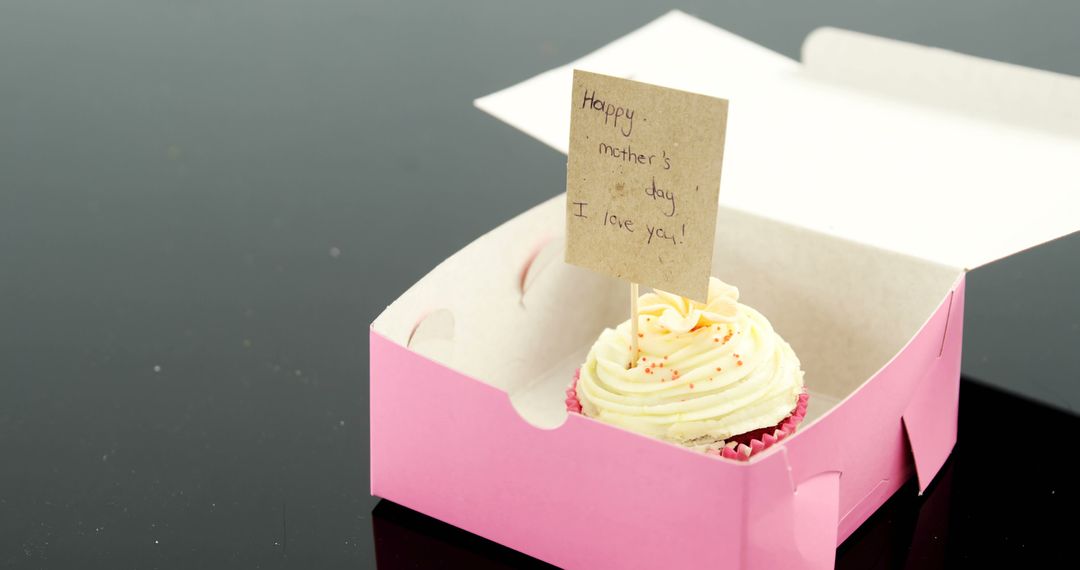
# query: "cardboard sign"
[[642, 182]]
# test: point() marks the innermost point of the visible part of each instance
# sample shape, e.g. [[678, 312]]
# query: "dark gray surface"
[[203, 205]]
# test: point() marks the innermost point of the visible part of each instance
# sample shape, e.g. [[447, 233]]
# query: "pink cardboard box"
[[853, 203]]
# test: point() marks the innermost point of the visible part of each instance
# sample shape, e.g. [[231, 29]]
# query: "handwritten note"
[[642, 182]]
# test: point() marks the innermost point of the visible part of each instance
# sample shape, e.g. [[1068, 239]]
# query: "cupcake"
[[714, 377]]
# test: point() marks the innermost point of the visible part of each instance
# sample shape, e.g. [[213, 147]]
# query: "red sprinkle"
[[739, 363], [691, 385], [718, 369]]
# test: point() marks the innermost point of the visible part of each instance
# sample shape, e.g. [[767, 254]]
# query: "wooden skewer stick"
[[633, 325]]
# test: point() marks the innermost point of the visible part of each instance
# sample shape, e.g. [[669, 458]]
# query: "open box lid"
[[943, 156]]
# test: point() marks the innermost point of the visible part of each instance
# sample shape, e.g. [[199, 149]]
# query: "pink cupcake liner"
[[740, 447]]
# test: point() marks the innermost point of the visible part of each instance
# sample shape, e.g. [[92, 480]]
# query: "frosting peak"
[[679, 315]]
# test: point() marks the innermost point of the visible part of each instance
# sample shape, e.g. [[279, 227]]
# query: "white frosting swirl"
[[705, 372]]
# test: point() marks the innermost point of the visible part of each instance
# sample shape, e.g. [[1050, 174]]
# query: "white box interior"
[[509, 312]]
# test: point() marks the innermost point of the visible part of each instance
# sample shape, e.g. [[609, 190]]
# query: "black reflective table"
[[203, 205]]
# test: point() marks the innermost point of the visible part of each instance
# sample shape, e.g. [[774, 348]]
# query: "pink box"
[[468, 367]]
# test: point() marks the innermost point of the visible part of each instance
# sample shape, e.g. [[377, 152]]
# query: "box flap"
[[973, 86], [537, 106], [874, 140], [997, 144]]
